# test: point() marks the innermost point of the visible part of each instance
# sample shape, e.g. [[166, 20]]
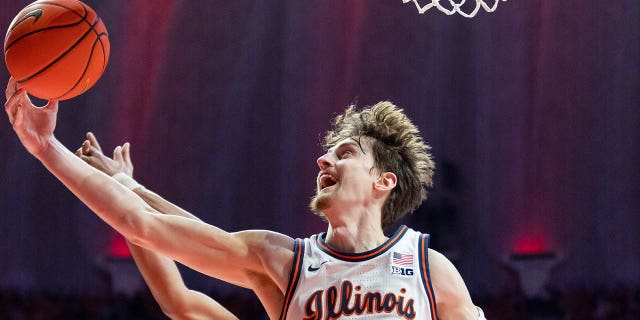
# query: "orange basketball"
[[56, 49]]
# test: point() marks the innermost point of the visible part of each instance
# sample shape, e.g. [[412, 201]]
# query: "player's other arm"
[[120, 167], [175, 299], [159, 272], [453, 301]]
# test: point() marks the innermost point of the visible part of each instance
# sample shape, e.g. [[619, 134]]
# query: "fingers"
[[126, 154], [87, 153], [51, 106], [17, 98], [14, 91], [93, 141], [86, 148], [11, 108], [12, 87], [79, 152], [90, 161], [117, 154], [84, 153], [13, 104]]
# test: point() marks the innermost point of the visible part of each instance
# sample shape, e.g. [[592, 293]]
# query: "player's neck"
[[355, 237]]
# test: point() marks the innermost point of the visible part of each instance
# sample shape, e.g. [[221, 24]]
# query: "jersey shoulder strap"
[[294, 276], [423, 254]]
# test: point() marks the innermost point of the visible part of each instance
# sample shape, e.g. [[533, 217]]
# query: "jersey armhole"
[[294, 276], [423, 250]]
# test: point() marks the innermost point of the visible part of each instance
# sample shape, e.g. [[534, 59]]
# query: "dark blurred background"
[[532, 112]]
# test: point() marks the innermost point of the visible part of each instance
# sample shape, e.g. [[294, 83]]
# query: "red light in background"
[[118, 247], [531, 244]]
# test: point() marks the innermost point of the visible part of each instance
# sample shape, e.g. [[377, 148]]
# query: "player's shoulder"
[[439, 260], [446, 279], [274, 251], [265, 238], [268, 245], [441, 268]]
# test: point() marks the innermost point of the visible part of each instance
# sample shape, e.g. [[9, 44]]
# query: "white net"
[[465, 8]]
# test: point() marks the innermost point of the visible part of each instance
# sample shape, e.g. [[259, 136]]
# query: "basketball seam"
[[40, 30], [84, 71], [62, 55], [84, 18]]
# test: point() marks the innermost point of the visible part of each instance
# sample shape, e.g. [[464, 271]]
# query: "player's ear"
[[386, 181]]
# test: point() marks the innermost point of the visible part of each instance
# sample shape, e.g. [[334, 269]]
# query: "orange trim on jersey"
[[365, 255], [426, 279], [298, 251]]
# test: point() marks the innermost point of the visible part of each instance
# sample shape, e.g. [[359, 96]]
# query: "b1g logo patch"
[[402, 264], [401, 271]]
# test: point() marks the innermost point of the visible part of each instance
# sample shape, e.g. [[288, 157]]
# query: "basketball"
[[56, 49]]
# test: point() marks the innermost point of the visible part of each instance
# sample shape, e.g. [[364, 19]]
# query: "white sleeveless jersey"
[[388, 282]]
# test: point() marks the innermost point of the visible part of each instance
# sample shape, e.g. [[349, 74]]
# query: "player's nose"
[[324, 161]]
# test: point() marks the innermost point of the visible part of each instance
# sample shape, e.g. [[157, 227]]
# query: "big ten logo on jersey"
[[402, 264], [401, 271]]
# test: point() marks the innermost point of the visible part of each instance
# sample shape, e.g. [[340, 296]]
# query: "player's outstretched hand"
[[91, 153], [33, 125]]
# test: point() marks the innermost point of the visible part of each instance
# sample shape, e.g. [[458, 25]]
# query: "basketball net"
[[455, 6]]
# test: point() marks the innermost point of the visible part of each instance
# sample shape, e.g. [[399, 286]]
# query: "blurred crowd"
[[43, 305], [619, 302]]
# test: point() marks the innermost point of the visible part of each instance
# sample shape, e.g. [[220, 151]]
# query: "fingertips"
[[90, 137], [12, 99], [85, 146], [12, 87], [126, 153], [11, 106], [94, 141], [51, 106], [117, 153]]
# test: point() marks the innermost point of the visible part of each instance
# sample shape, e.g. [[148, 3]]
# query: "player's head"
[[396, 146]]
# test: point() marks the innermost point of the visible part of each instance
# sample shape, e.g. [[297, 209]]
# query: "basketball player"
[[160, 273], [376, 169]]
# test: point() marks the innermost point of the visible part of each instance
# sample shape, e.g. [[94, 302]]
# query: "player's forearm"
[[162, 205], [113, 203], [154, 200], [167, 287], [159, 272]]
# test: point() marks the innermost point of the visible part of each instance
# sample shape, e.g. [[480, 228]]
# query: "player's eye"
[[345, 154]]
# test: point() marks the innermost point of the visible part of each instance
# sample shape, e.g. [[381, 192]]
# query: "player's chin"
[[320, 202]]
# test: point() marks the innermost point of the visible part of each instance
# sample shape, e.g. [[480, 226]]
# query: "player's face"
[[346, 177]]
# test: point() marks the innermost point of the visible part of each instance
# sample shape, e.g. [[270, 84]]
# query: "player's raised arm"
[[203, 247]]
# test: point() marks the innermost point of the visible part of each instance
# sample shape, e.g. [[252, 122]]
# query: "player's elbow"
[[177, 310], [173, 313], [138, 227], [193, 305], [185, 314]]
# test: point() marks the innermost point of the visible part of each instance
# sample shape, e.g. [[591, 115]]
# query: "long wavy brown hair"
[[398, 148]]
